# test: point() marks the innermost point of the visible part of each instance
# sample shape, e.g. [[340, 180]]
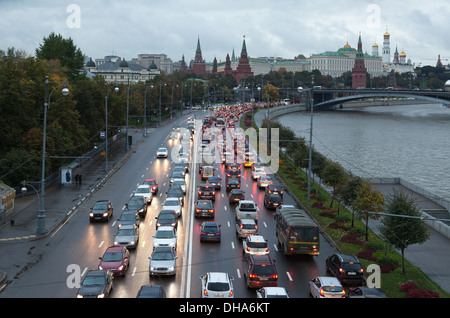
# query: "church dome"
[[375, 45], [153, 66], [403, 54], [90, 63]]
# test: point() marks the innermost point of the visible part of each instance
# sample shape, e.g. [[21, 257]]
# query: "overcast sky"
[[282, 28]]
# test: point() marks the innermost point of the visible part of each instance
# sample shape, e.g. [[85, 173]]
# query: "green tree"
[[404, 226], [368, 199], [334, 176], [55, 47]]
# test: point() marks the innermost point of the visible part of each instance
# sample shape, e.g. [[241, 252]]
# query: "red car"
[[116, 259], [152, 183]]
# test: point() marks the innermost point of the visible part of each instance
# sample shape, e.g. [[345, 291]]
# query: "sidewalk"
[[432, 257], [60, 202]]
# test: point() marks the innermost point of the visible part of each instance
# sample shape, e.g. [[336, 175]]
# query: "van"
[[260, 271], [207, 171]]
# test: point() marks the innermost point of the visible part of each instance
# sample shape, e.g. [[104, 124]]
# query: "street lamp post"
[[106, 124], [41, 214]]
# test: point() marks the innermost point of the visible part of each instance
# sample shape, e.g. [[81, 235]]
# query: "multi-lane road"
[[79, 244]]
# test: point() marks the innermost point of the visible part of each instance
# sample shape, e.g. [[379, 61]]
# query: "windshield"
[[303, 234], [112, 257], [218, 287], [93, 280], [171, 203], [164, 234], [135, 202], [125, 232], [162, 256], [263, 270], [127, 217], [101, 206], [143, 190], [333, 289]]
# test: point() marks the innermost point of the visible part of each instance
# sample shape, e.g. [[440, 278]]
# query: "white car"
[[162, 153], [163, 261], [173, 204], [217, 285], [264, 181], [258, 173], [326, 287], [144, 191], [272, 292], [165, 236], [181, 183], [127, 235], [255, 245]]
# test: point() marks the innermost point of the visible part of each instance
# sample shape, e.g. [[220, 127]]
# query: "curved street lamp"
[[41, 213]]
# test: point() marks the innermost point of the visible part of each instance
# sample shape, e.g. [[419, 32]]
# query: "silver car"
[[162, 153], [181, 183], [217, 285], [246, 227], [163, 261], [165, 236], [173, 204], [146, 192], [127, 235], [326, 287]]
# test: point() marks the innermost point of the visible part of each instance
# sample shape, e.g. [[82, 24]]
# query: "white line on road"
[[101, 244], [289, 276], [238, 272], [232, 245]]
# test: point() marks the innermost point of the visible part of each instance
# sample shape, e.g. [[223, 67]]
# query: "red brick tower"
[[198, 66], [243, 69], [359, 71], [228, 69]]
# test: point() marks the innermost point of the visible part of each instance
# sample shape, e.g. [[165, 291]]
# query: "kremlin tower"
[[359, 71], [198, 66], [243, 69]]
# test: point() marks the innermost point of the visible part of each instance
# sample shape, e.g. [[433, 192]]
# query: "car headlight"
[[91, 214], [102, 295], [105, 214], [120, 267], [80, 296], [99, 267], [171, 268]]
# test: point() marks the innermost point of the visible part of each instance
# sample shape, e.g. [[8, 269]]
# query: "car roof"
[[218, 277], [99, 201], [114, 249], [210, 223], [256, 238], [144, 186], [248, 221], [275, 290], [329, 281], [127, 227], [165, 228]]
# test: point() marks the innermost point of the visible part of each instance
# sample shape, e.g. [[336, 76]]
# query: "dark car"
[[101, 211], [137, 203], [260, 271], [233, 173], [206, 192], [236, 195], [272, 201], [129, 217], [204, 208], [151, 291], [96, 284], [176, 192], [233, 183], [274, 189], [166, 218], [210, 231], [215, 182], [365, 292], [346, 268]]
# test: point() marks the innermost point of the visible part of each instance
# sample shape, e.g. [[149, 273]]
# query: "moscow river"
[[411, 142]]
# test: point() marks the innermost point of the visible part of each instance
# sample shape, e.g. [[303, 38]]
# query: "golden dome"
[[375, 45], [387, 35], [347, 46], [403, 54]]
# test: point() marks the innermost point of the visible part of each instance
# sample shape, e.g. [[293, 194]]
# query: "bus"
[[297, 232]]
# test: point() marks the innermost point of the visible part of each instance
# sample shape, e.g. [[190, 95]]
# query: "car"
[[129, 217], [264, 181], [162, 153], [365, 292], [207, 171], [102, 210], [176, 174], [272, 292], [206, 192], [246, 227], [180, 169], [97, 283], [128, 236], [272, 201], [258, 173], [163, 261], [215, 182], [346, 268], [236, 195], [137, 203], [274, 189], [175, 191], [260, 271], [180, 183], [115, 259], [152, 183], [204, 208], [326, 287], [255, 244], [183, 164], [144, 191], [233, 173], [217, 285], [165, 236], [233, 183], [151, 291], [166, 218], [173, 204], [210, 231]]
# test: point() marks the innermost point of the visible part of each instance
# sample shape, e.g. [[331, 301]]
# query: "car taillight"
[[199, 192], [321, 292], [267, 249], [205, 292], [343, 293], [341, 270], [248, 248], [211, 211], [203, 233], [275, 276], [231, 293], [252, 276]]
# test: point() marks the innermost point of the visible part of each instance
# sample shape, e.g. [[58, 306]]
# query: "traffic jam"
[[220, 146]]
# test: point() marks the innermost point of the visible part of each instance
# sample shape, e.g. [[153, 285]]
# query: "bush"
[[421, 293], [367, 254], [353, 239]]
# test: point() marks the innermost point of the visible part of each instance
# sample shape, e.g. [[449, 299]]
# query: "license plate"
[[263, 278], [351, 273]]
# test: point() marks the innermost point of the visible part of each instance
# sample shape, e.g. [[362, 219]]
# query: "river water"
[[411, 142]]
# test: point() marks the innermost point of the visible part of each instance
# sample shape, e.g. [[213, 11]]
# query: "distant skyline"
[[284, 28]]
